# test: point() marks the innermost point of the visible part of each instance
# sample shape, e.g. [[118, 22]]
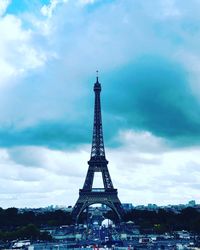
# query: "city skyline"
[[147, 54]]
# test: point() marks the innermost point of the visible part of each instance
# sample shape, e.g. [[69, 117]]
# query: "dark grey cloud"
[[151, 94], [50, 134], [154, 94]]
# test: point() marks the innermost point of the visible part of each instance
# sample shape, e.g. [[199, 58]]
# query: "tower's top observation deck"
[[97, 85]]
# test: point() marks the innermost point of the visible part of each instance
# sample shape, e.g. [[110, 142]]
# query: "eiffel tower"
[[97, 163]]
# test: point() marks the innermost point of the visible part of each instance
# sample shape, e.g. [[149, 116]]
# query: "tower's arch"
[[107, 203]]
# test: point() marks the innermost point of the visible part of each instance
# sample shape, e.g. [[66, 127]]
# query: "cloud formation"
[[154, 94], [149, 69], [144, 170], [139, 52]]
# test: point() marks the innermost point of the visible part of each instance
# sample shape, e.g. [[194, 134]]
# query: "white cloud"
[[17, 52], [45, 174], [3, 6], [143, 141], [142, 175], [86, 1], [170, 9], [47, 10]]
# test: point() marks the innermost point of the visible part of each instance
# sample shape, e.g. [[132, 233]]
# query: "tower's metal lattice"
[[97, 163]]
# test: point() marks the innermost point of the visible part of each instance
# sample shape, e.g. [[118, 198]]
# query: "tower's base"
[[97, 196]]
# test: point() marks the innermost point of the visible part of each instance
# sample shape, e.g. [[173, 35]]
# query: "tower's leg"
[[77, 210]]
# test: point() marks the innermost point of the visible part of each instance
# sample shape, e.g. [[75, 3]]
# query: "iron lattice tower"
[[97, 163]]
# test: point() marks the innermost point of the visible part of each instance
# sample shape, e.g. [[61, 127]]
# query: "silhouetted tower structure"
[[97, 163]]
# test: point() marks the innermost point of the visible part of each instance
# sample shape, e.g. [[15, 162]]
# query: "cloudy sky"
[[148, 56]]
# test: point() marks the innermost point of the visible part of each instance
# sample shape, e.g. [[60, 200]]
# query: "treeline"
[[14, 224], [26, 225], [30, 232], [166, 221], [11, 218]]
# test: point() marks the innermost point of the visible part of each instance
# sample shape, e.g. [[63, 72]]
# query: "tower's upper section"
[[97, 152], [97, 85]]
